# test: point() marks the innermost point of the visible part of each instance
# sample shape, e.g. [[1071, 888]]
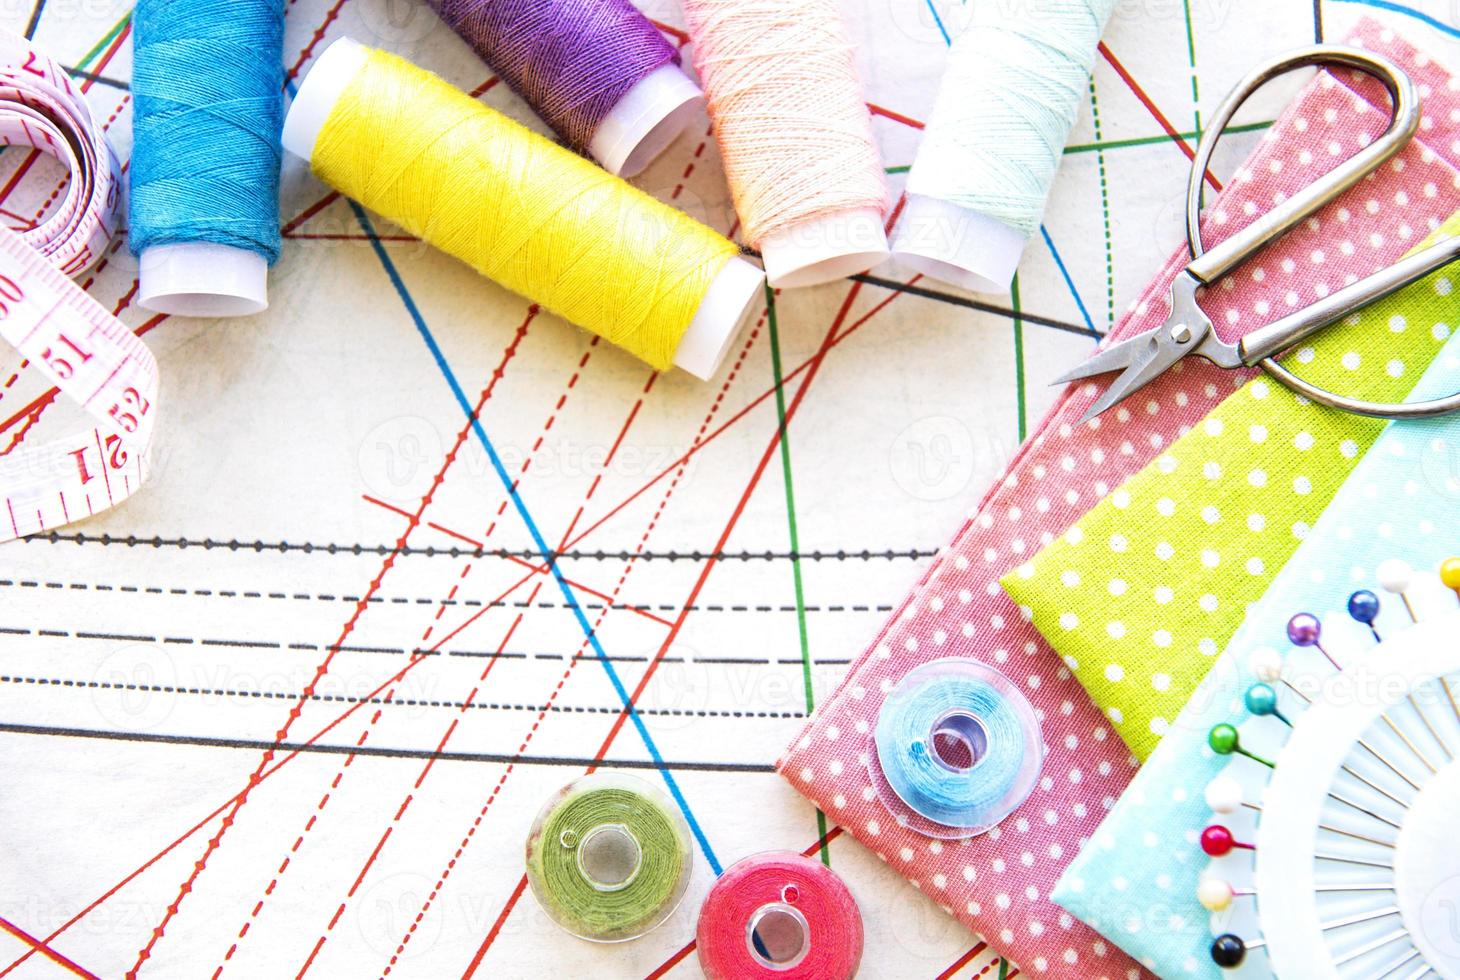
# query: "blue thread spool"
[[958, 748], [208, 86]]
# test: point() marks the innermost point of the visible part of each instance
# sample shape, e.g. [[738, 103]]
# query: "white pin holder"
[[726, 305]]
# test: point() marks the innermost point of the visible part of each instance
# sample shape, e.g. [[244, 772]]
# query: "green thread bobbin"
[[609, 858]]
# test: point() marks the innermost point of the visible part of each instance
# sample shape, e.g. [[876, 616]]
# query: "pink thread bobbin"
[[779, 916]]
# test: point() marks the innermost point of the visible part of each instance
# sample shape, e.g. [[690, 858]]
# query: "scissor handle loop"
[[1208, 266]]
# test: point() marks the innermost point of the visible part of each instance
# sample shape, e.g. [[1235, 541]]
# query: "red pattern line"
[[40, 946]]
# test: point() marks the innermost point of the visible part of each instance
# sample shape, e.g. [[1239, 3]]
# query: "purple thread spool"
[[597, 71]]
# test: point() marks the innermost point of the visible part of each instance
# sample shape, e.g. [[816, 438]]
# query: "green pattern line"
[[771, 319], [1191, 60], [1104, 209], [1163, 138], [1188, 136], [102, 45], [1018, 356]]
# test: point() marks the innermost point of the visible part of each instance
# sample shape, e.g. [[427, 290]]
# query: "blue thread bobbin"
[[204, 210], [956, 749]]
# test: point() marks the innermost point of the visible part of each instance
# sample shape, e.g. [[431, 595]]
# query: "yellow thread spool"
[[521, 210]]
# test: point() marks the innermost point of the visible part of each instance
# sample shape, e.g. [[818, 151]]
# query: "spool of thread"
[[794, 133], [207, 84], [608, 857], [779, 916], [958, 748], [1016, 79], [597, 71], [520, 209]]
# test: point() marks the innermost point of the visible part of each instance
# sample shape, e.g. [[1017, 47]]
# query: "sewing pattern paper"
[[1000, 884]]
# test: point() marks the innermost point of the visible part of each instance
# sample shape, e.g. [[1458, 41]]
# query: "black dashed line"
[[663, 607], [394, 702], [431, 551]]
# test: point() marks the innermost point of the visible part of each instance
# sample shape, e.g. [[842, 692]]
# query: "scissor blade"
[[1148, 365], [1116, 357]]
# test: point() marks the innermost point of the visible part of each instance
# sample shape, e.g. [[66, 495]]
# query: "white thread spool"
[[725, 306], [978, 186]]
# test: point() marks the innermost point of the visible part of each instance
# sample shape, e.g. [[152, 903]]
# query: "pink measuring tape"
[[88, 354]]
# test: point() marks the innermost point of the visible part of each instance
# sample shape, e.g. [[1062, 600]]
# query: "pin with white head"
[[1224, 795], [1395, 577], [1267, 664]]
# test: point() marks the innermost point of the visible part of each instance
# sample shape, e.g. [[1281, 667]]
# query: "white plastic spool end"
[[650, 116], [203, 279], [825, 249], [945, 241], [318, 94], [723, 310]]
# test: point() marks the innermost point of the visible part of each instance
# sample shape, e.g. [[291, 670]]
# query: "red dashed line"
[[690, 168], [308, 52], [443, 605], [323, 667], [578, 656]]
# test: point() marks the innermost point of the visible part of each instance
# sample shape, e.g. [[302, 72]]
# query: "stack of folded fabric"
[[1000, 883], [1395, 505], [1141, 594]]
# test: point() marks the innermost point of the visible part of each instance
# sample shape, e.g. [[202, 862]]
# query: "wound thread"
[[1014, 86], [571, 60], [956, 749], [519, 209], [207, 84], [783, 91], [779, 916], [608, 857]]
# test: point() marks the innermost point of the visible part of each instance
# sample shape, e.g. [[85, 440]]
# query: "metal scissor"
[[1188, 330]]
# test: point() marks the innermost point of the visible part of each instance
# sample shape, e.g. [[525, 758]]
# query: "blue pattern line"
[[538, 539]]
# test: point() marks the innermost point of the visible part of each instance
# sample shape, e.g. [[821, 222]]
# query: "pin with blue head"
[[1262, 700], [1363, 606], [1304, 630]]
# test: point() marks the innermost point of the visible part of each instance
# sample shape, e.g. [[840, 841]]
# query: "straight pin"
[[1304, 630], [1398, 963], [1223, 740], [1354, 861], [1395, 576], [1365, 745], [1354, 920], [1372, 945], [1450, 574], [1363, 606], [1229, 949]]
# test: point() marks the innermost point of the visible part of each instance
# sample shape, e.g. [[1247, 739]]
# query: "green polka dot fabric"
[[1141, 594]]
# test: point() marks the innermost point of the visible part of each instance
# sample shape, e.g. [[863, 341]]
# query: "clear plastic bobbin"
[[618, 875], [957, 747]]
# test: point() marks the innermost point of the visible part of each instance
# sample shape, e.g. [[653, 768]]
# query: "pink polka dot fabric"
[[999, 884]]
